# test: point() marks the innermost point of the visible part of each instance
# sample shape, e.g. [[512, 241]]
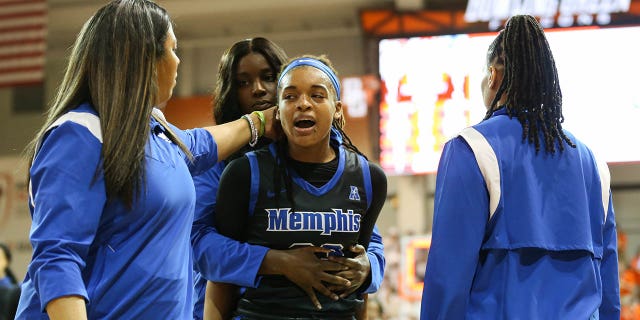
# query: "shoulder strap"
[[255, 181], [488, 163], [366, 174]]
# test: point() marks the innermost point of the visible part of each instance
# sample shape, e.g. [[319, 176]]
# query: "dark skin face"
[[256, 83]]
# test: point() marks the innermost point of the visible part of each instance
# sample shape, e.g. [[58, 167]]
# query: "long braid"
[[530, 82], [348, 144]]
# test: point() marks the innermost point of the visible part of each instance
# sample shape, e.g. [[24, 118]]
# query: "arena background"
[[347, 31]]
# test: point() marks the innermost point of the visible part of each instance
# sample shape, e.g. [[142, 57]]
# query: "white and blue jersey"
[[519, 234], [126, 263]]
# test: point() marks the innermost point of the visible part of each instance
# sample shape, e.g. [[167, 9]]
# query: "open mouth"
[[304, 124]]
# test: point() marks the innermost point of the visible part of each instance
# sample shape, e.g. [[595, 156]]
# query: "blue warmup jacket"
[[127, 264], [520, 235], [223, 259]]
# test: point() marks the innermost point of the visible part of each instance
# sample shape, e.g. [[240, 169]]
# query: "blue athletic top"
[[520, 235], [127, 264], [223, 259]]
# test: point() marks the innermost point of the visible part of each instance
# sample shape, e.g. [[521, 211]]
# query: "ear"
[[495, 78], [338, 113]]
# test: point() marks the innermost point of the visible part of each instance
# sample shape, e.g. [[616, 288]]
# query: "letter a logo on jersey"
[[354, 195]]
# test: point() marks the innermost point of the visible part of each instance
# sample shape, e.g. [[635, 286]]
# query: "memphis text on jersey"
[[337, 220]]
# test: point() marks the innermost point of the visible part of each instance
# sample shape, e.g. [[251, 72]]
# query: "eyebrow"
[[315, 86]]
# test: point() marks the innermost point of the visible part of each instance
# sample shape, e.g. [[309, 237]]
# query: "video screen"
[[430, 91]]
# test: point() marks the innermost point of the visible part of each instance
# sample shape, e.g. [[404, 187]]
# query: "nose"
[[258, 89], [304, 103]]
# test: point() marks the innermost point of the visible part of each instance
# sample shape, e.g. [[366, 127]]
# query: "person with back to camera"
[[110, 188], [523, 224], [312, 174], [246, 82]]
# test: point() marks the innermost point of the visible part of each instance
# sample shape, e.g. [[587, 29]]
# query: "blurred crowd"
[[629, 270]]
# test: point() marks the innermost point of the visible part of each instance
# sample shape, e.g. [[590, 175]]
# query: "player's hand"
[[302, 267], [357, 271], [272, 129]]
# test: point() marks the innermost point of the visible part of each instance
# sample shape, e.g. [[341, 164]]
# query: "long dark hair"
[[226, 107], [7, 253], [113, 66], [530, 82], [282, 150]]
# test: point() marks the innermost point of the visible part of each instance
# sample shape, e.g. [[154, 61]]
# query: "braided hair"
[[282, 150], [530, 82]]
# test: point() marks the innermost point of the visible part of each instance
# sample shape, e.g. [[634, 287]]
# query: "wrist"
[[260, 120], [272, 262], [253, 129]]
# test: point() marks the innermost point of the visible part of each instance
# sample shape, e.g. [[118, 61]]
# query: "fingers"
[[347, 292], [322, 289], [314, 299], [332, 266], [360, 254], [272, 125], [348, 274], [357, 249], [318, 249], [336, 280], [312, 295]]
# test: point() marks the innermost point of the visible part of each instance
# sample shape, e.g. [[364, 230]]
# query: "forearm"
[[376, 273], [232, 136], [222, 259], [273, 262], [67, 308], [375, 253], [220, 300]]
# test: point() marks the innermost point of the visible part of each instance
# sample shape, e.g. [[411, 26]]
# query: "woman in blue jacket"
[[110, 188], [523, 226]]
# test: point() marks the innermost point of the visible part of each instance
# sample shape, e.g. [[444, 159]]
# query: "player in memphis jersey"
[[110, 189], [307, 190], [523, 224], [247, 80]]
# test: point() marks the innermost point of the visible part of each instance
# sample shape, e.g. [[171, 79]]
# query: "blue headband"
[[316, 64]]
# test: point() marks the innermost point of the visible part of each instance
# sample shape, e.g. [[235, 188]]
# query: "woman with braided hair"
[[523, 224]]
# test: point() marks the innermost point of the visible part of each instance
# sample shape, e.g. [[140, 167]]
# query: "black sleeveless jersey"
[[329, 216]]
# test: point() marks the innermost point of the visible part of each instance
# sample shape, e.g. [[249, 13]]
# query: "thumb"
[[357, 249]]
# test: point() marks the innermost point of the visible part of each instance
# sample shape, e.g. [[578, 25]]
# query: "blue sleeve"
[[461, 211], [67, 205], [202, 146], [217, 257], [375, 253], [610, 307]]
